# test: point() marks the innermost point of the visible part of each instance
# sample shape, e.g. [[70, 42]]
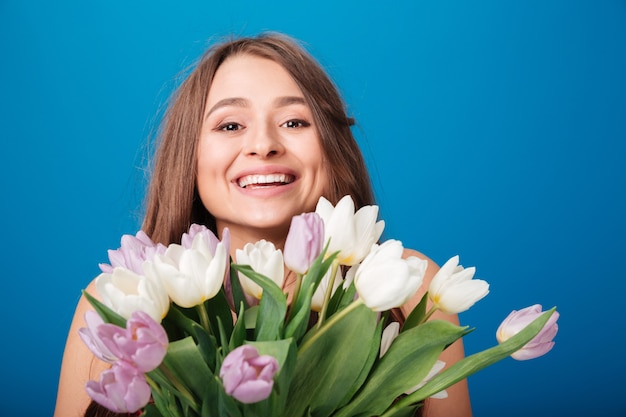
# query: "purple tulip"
[[90, 337], [304, 242], [248, 376], [196, 229], [143, 343], [122, 389], [134, 250], [518, 320]]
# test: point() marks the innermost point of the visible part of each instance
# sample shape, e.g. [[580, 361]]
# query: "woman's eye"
[[294, 124], [229, 127]]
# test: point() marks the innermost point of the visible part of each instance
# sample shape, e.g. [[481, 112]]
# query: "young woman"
[[255, 135]]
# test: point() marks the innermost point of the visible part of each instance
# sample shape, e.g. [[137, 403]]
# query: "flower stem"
[[179, 386], [204, 317], [427, 315], [296, 292], [329, 292]]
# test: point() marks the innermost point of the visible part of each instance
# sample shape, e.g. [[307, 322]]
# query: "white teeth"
[[265, 179]]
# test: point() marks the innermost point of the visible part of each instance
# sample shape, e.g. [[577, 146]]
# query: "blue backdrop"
[[493, 130]]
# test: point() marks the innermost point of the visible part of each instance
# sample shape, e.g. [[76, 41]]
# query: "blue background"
[[494, 130]]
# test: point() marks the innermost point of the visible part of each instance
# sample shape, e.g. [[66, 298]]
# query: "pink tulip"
[[195, 229], [134, 250], [248, 376], [122, 389], [518, 320], [304, 242], [143, 343], [90, 337]]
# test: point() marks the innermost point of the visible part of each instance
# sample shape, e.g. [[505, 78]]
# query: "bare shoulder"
[[79, 365]]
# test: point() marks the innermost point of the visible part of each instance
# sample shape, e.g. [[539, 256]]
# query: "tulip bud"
[[121, 389], [124, 291], [452, 289], [385, 280], [437, 367], [89, 336], [191, 275], [350, 233], [134, 250], [263, 258], [389, 335], [143, 343], [248, 377], [518, 320], [304, 242]]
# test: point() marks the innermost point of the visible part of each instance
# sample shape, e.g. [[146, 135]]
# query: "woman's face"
[[260, 161]]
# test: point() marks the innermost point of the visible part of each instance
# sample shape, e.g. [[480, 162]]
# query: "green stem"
[[329, 292], [296, 293], [427, 315], [204, 317], [336, 317], [153, 385], [184, 392]]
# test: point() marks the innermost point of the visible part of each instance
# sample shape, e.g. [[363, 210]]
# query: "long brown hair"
[[173, 203]]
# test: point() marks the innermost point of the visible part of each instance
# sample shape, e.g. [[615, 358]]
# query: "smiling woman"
[[255, 135]]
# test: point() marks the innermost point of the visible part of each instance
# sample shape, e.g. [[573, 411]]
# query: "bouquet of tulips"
[[190, 333]]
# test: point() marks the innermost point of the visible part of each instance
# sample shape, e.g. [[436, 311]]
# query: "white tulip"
[[125, 292], [385, 280], [437, 367], [191, 276], [389, 335], [263, 258], [452, 289], [350, 233]]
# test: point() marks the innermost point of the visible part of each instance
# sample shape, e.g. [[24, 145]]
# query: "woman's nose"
[[264, 143]]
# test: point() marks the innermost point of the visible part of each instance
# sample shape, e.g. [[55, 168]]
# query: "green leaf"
[[373, 355], [272, 307], [225, 404], [407, 362], [219, 310], [167, 397], [476, 362], [239, 332], [331, 360], [417, 315], [184, 356], [176, 319], [343, 299], [235, 286], [297, 327], [310, 282], [223, 337], [249, 317], [108, 315], [408, 411], [151, 411]]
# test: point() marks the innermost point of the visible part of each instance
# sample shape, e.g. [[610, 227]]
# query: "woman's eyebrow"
[[289, 100], [231, 101]]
